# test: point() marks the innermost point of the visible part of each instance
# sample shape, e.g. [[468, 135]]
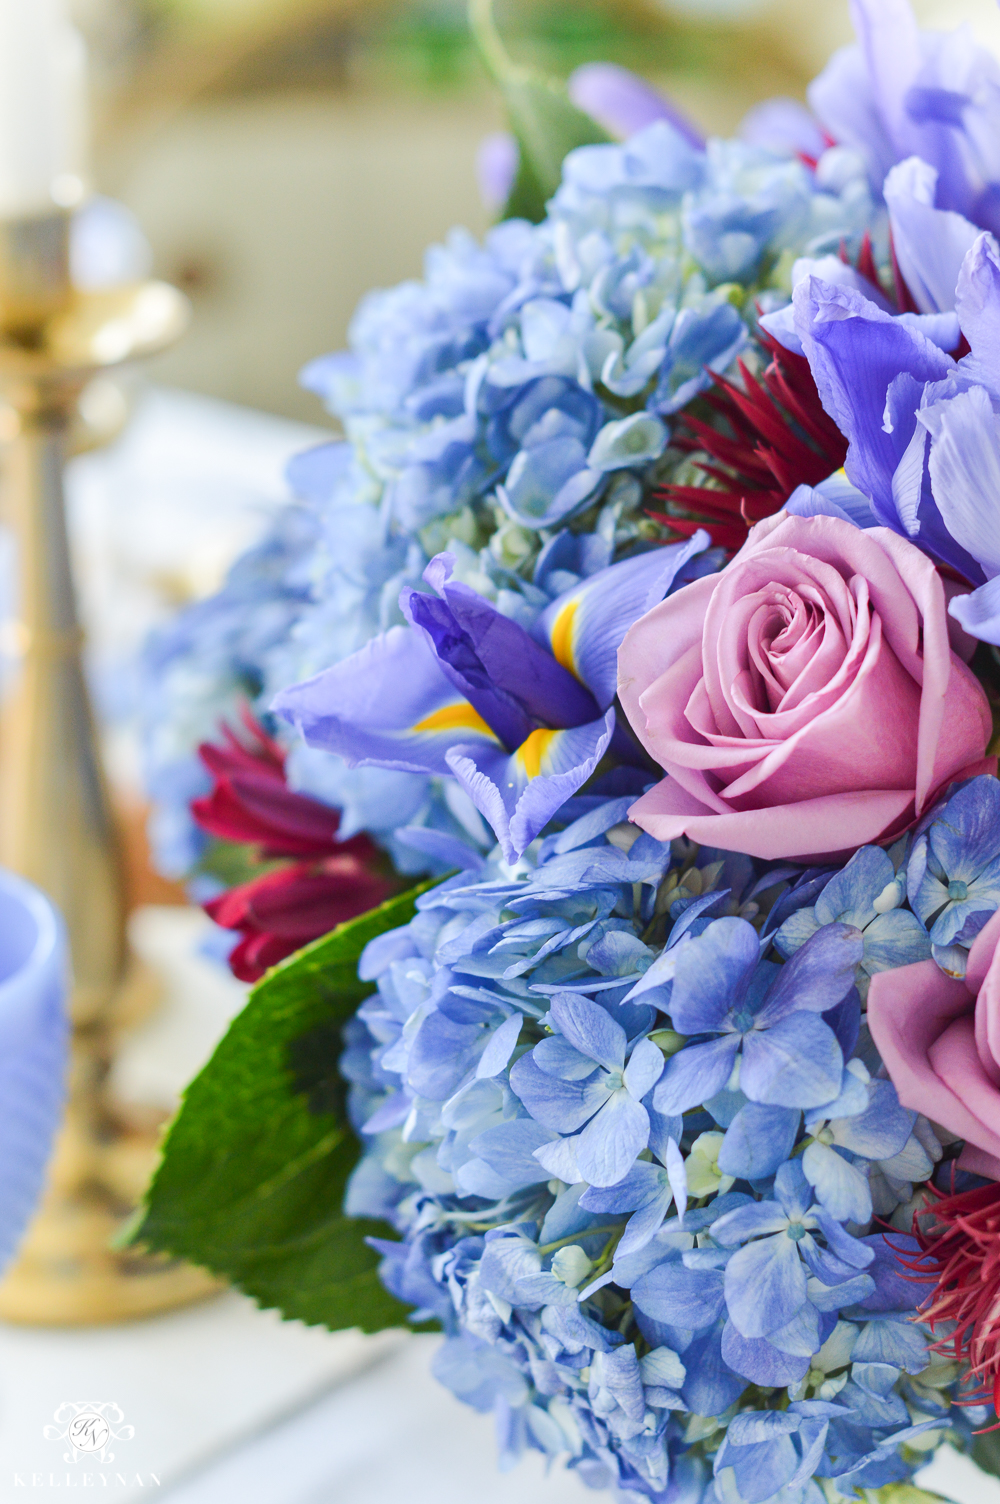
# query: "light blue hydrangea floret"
[[867, 894], [953, 875], [636, 1161]]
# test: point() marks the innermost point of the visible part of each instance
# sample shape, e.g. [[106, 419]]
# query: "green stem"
[[585, 1232], [488, 40]]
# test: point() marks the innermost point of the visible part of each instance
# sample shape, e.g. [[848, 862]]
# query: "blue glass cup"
[[34, 973]]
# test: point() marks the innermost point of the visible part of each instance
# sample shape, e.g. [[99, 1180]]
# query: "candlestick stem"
[[56, 826]]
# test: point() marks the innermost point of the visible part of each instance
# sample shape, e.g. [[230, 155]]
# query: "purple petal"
[[519, 794], [641, 1186], [691, 1298], [644, 1069], [785, 127], [979, 613], [841, 1187], [965, 472], [389, 704], [712, 974], [758, 1140], [509, 1150], [853, 1251], [511, 680], [561, 1105], [623, 103], [559, 1159], [643, 1226], [977, 302], [797, 1063], [500, 1047], [758, 1219], [930, 244], [765, 1284], [890, 44], [497, 160], [855, 352], [677, 1175], [557, 1057], [819, 974], [584, 627], [755, 1359]]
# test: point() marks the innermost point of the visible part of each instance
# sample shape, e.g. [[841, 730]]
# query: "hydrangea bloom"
[[536, 1079]]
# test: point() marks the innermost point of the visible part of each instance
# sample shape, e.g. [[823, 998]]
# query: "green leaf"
[[254, 1166], [545, 122], [986, 1452]]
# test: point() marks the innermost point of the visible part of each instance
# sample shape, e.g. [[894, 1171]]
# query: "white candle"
[[42, 107]]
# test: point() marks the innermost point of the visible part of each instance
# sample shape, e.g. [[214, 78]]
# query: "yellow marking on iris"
[[562, 636], [460, 717], [530, 753]]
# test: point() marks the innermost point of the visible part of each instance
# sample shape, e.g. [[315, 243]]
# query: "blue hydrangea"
[[645, 1218]]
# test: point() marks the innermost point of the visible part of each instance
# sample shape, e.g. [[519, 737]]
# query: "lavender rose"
[[806, 700]]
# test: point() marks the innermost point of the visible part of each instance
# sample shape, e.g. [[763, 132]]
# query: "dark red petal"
[[959, 1243]]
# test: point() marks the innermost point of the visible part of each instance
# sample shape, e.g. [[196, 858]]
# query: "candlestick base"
[[68, 1271]]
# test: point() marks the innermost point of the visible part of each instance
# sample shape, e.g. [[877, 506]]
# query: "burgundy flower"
[[280, 912], [330, 881], [779, 438], [959, 1238]]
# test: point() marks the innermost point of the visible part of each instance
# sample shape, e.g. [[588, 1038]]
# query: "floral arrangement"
[[647, 615]]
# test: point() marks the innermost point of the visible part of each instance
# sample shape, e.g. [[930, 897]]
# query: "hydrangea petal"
[[765, 1285]]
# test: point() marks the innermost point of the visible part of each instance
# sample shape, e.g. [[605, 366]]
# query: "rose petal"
[[909, 1012], [955, 1059], [834, 826]]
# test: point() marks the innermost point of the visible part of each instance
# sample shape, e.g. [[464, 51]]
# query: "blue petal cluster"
[[636, 1161]]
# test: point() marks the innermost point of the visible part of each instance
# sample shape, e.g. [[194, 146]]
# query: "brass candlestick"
[[56, 826]]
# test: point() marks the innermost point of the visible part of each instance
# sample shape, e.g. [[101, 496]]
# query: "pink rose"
[[940, 1041], [806, 700]]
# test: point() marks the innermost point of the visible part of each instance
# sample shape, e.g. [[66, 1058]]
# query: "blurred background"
[[283, 156]]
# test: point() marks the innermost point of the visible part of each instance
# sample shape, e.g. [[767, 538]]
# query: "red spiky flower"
[[776, 435], [329, 881], [959, 1240]]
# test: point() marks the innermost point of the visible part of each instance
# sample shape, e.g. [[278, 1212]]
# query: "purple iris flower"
[[930, 242], [888, 386], [923, 428], [520, 719], [899, 92]]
